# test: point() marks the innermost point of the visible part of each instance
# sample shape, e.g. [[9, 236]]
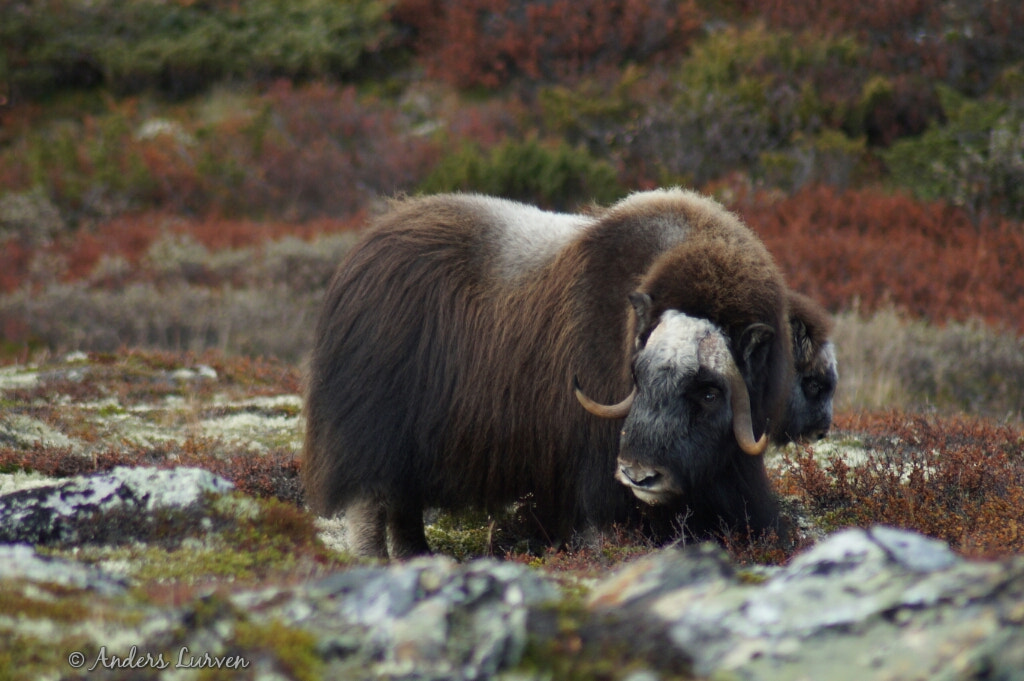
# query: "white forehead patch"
[[526, 237], [685, 343], [827, 359]]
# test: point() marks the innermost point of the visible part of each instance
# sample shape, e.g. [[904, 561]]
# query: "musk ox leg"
[[365, 520], [405, 523]]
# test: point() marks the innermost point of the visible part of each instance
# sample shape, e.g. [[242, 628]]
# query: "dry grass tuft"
[[887, 360]]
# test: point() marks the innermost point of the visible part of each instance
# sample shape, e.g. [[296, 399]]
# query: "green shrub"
[[830, 157], [291, 152], [975, 160], [738, 95], [555, 176], [180, 48]]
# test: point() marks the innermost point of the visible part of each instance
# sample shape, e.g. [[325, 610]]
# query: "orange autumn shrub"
[[865, 249], [120, 251]]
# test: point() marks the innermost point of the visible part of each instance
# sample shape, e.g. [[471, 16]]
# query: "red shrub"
[[490, 42], [960, 479], [330, 153], [15, 258], [870, 249]]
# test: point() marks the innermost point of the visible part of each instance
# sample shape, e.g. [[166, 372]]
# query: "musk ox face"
[[689, 411], [809, 414]]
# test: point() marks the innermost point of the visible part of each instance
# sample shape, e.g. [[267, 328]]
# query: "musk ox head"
[[809, 410], [710, 357], [688, 406], [809, 414]]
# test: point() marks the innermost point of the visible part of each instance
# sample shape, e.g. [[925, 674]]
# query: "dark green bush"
[[830, 158], [975, 160], [555, 176], [181, 47], [739, 94]]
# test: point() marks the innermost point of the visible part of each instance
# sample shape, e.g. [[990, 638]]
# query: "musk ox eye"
[[708, 397], [812, 387]]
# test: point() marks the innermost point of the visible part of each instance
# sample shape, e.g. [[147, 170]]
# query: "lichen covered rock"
[[114, 507], [878, 603]]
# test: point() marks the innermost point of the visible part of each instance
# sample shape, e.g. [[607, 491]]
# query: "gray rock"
[[427, 619], [877, 603], [913, 551], [120, 505], [20, 562]]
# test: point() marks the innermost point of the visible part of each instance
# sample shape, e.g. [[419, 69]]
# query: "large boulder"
[[863, 604]]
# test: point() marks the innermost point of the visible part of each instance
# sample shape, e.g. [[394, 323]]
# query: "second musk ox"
[[809, 412], [452, 335]]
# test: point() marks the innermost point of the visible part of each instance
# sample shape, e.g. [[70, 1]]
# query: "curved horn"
[[742, 424], [605, 411]]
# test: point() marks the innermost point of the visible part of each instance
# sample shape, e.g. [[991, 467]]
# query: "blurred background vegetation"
[[185, 174]]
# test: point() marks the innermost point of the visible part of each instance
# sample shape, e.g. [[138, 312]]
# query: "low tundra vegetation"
[[955, 477]]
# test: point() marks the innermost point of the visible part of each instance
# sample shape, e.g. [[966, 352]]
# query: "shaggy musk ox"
[[809, 412], [451, 337]]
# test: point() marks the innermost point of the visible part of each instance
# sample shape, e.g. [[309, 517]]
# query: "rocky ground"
[[149, 529]]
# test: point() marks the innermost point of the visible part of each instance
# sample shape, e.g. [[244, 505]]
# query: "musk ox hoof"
[[370, 522]]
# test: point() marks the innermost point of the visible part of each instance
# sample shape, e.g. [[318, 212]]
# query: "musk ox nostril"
[[641, 477]]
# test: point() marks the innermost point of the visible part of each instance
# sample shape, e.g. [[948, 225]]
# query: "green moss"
[[109, 409], [29, 658], [463, 535], [751, 577], [60, 619], [37, 601], [294, 650], [197, 564], [261, 643], [570, 643]]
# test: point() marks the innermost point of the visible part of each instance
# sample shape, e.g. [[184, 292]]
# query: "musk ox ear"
[[642, 305], [755, 347], [802, 343]]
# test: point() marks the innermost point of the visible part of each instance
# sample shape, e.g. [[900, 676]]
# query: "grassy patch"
[[888, 360]]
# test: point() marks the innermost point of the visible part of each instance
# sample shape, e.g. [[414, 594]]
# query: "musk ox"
[[809, 412], [451, 337]]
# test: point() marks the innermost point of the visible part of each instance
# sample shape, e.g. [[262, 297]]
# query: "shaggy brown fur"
[[434, 383]]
